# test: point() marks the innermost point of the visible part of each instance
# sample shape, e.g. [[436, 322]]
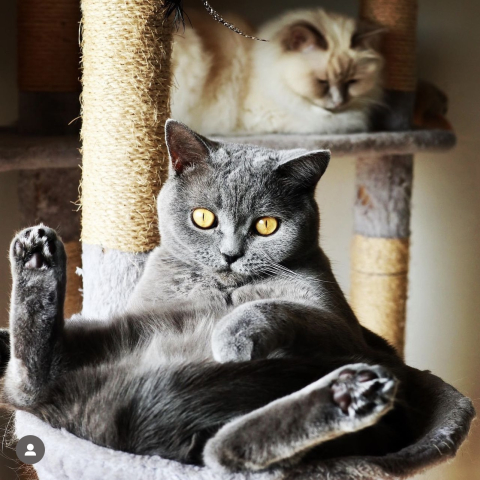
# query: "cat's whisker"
[[290, 274]]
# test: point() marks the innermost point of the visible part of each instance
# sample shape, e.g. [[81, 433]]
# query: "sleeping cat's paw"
[[364, 392], [36, 249]]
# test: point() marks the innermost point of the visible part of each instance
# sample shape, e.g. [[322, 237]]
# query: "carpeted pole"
[[126, 79], [380, 248]]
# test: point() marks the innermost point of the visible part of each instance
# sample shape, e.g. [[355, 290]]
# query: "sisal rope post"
[[126, 46], [48, 49], [48, 66], [399, 17], [380, 247]]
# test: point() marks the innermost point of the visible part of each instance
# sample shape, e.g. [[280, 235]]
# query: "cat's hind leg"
[[38, 264], [347, 400]]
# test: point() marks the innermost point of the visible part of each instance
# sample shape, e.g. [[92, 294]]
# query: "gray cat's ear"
[[304, 170], [185, 147]]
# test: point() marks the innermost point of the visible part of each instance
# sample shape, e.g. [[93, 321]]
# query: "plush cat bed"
[[448, 415]]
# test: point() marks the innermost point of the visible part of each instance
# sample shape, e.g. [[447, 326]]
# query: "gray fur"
[[202, 342]]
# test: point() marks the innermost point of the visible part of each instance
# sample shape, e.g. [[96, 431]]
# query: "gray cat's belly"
[[190, 345]]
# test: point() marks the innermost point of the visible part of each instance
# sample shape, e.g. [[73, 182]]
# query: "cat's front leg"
[[258, 328], [38, 264], [249, 332]]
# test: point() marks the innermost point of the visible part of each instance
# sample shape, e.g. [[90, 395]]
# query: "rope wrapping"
[[379, 286], [399, 45], [48, 49], [125, 102]]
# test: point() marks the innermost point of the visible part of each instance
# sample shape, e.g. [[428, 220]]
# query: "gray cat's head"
[[238, 209]]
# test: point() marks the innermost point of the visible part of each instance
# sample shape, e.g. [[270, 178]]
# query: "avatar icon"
[[30, 452]]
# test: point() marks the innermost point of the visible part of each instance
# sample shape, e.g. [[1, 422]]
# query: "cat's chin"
[[228, 271], [227, 276], [334, 110]]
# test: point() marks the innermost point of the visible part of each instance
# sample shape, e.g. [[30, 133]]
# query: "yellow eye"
[[203, 218], [266, 225]]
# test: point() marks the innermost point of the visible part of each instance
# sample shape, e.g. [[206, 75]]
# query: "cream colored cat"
[[319, 72]]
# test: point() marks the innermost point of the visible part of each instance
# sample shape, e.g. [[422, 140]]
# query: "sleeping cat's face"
[[238, 210], [327, 59]]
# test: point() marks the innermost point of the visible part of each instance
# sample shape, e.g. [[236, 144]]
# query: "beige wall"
[[443, 332]]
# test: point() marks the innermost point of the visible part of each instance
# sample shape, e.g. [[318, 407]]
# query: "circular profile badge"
[[30, 449]]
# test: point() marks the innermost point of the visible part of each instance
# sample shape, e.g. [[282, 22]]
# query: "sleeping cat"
[[319, 72], [238, 348]]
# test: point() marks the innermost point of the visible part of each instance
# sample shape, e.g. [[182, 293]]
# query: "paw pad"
[[34, 247], [363, 390]]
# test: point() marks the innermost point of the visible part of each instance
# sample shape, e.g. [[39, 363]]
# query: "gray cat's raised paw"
[[37, 248], [38, 262], [362, 391]]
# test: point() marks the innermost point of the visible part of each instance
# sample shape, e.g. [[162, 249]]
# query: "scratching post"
[[125, 103], [49, 90], [380, 248]]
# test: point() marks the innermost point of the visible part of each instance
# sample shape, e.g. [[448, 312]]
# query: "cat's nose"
[[231, 258]]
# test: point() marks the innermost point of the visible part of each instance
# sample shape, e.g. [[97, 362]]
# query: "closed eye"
[[323, 82], [353, 81]]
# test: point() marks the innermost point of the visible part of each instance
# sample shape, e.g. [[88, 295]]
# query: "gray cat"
[[238, 348]]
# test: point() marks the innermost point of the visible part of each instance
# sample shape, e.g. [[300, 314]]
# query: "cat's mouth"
[[339, 108], [231, 271], [331, 109], [336, 109]]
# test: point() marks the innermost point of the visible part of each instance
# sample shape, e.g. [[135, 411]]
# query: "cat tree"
[[126, 83]]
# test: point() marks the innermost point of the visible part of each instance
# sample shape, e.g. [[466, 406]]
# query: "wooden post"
[[380, 249]]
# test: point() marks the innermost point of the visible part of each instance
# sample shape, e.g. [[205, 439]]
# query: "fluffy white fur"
[[225, 83], [211, 66]]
